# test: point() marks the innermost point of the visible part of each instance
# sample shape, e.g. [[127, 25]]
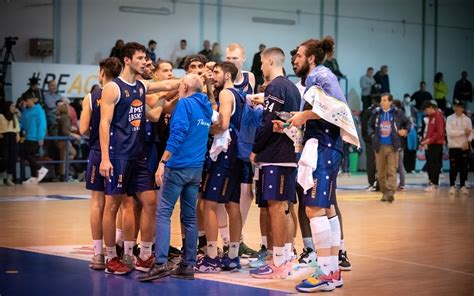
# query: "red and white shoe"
[[337, 278], [116, 266], [144, 265]]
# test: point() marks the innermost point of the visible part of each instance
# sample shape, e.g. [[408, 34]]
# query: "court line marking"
[[413, 263]]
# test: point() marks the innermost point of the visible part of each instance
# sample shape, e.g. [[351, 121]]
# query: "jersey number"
[[268, 106]]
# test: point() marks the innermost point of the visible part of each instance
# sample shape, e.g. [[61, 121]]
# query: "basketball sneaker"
[[119, 249], [344, 263], [97, 262], [31, 180], [337, 279], [452, 190], [270, 271], [262, 261], [307, 259], [174, 252], [205, 264], [245, 251], [116, 266], [262, 252], [145, 265], [128, 261], [318, 282], [228, 264], [464, 190], [42, 172], [183, 271]]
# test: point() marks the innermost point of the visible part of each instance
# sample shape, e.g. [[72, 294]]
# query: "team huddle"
[[219, 136]]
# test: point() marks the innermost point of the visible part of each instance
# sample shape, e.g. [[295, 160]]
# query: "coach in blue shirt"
[[179, 172]]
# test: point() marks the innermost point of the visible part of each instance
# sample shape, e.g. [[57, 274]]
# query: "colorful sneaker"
[[270, 271], [307, 259], [97, 262], [261, 253], [207, 265], [115, 266], [337, 279], [344, 263], [262, 261], [174, 252], [245, 251], [128, 261], [318, 282], [228, 264], [145, 265]]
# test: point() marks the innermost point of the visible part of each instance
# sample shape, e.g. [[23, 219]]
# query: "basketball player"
[[276, 156], [221, 184], [109, 69], [121, 140]]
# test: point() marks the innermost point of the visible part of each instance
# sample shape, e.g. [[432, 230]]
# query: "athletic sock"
[[234, 250], [97, 243], [224, 231], [119, 237], [279, 256], [288, 252], [111, 252], [212, 249], [264, 241], [342, 247], [334, 263], [325, 264], [308, 243], [202, 242], [145, 250], [128, 247]]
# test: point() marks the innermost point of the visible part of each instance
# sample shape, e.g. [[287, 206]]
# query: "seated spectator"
[[463, 89], [366, 83], [50, 98], [206, 51], [33, 91], [64, 130], [151, 50], [180, 54], [216, 53], [116, 50]]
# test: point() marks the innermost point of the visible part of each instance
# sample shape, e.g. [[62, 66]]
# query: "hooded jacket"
[[398, 121], [189, 129]]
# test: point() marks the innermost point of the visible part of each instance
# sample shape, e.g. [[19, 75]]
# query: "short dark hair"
[[397, 103], [151, 42], [438, 77], [111, 66], [194, 58], [228, 67], [370, 68], [183, 40], [422, 82], [389, 95], [129, 49], [376, 98], [427, 104]]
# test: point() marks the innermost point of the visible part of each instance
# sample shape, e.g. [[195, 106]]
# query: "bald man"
[[179, 172]]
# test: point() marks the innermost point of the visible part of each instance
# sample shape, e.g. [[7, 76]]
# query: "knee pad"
[[335, 231], [321, 232]]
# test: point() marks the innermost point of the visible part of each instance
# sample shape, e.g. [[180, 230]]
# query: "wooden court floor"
[[422, 244]]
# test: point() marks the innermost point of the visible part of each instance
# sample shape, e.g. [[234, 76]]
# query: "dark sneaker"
[[157, 271], [205, 264], [136, 251], [174, 252], [119, 250], [384, 197], [263, 252], [390, 196], [145, 265], [97, 262], [245, 251], [183, 271], [344, 263], [308, 258], [228, 264], [116, 266]]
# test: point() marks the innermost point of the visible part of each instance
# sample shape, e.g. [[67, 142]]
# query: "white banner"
[[73, 80]]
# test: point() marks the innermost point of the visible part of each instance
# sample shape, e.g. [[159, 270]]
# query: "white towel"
[[307, 164], [219, 144], [215, 116]]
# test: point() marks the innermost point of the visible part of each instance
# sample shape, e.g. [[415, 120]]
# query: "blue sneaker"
[[263, 252], [205, 264], [258, 263], [317, 282], [228, 264], [271, 271]]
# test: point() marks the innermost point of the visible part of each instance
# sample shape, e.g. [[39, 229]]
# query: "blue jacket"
[[400, 121], [33, 122], [189, 129]]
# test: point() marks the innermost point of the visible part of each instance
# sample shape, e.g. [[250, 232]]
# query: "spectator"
[[332, 64], [9, 139], [206, 51], [366, 83], [419, 97], [64, 130], [401, 152], [463, 89], [72, 114], [33, 91], [33, 123], [369, 150], [257, 65], [386, 125], [216, 53], [117, 49], [180, 54], [151, 50], [409, 156], [440, 91], [459, 132], [50, 98], [382, 83], [434, 141], [345, 163], [407, 105]]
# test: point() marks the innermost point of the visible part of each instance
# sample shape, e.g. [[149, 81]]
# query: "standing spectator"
[[216, 53], [409, 160], [33, 91], [117, 49], [419, 97], [459, 132], [369, 149], [366, 83], [401, 152], [178, 56], [256, 68], [72, 114], [407, 105], [9, 139], [382, 82], [440, 91], [463, 89], [151, 50], [345, 164], [332, 64], [64, 130], [33, 123], [206, 51], [434, 141], [50, 98], [386, 125]]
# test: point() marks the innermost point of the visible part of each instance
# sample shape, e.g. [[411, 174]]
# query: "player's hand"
[[252, 158], [159, 174], [278, 126], [256, 99], [106, 169], [298, 119], [402, 132]]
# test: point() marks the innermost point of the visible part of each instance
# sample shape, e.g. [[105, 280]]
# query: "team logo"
[[135, 114], [141, 91], [119, 181], [127, 94], [385, 128]]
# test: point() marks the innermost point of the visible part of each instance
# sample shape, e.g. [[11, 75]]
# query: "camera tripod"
[[8, 56]]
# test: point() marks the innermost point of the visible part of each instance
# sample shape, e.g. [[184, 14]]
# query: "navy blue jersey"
[[127, 129], [237, 111], [94, 97], [245, 86]]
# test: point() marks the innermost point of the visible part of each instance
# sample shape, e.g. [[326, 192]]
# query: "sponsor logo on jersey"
[[135, 114]]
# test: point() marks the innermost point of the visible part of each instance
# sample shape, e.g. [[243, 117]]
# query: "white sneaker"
[[431, 188], [32, 180], [42, 173], [464, 190], [452, 190]]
